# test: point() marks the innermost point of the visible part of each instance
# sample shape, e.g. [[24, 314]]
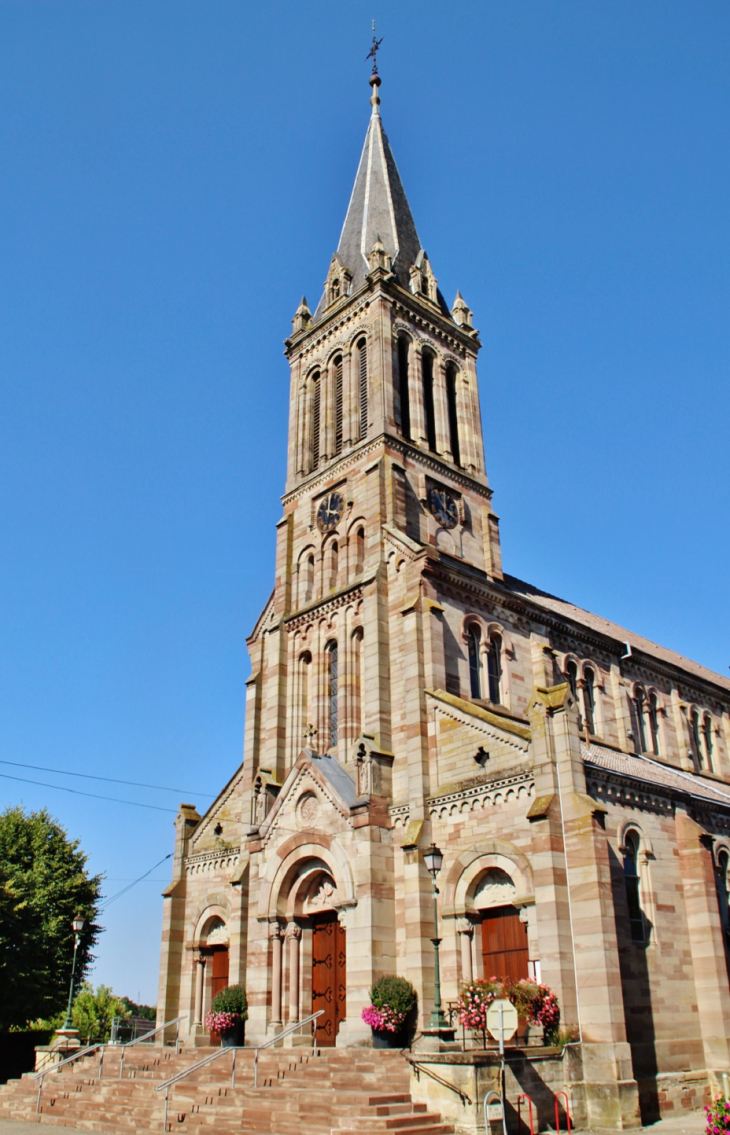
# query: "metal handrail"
[[167, 1084], [95, 1048], [418, 1067], [280, 1036], [145, 1036]]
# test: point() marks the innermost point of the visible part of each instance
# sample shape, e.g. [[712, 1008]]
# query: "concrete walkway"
[[691, 1124]]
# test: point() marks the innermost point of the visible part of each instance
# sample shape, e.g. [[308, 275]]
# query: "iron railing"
[[280, 1036]]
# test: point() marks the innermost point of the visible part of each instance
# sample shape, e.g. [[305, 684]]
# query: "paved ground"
[[683, 1125]]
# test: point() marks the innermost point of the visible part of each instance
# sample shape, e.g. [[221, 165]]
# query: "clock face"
[[443, 507], [330, 511]]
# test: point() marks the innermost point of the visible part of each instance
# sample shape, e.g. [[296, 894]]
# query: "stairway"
[[338, 1092]]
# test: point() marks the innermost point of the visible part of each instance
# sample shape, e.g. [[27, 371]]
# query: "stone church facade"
[[406, 691]]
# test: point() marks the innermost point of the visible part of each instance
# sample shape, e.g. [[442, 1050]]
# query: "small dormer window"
[[424, 285], [335, 290]]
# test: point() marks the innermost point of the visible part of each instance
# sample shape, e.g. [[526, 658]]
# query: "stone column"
[[415, 396], [440, 410], [293, 933], [199, 985], [465, 930], [275, 935]]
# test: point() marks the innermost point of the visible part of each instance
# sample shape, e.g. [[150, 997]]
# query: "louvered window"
[[363, 349], [453, 419], [338, 404], [316, 400], [427, 365], [405, 403], [475, 678]]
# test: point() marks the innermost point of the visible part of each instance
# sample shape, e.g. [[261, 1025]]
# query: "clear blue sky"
[[174, 176]]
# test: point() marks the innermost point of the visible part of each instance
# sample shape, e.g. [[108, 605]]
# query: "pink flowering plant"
[[221, 1022], [534, 1002], [393, 1001], [717, 1116], [229, 1008]]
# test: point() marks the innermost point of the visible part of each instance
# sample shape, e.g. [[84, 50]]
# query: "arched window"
[[338, 402], [304, 670], [639, 703], [333, 562], [306, 578], [694, 724], [451, 375], [404, 395], [589, 699], [654, 723], [571, 674], [633, 886], [722, 870], [332, 691], [362, 350], [359, 550], [428, 407], [357, 673], [707, 739], [494, 669], [475, 678], [316, 409], [335, 291]]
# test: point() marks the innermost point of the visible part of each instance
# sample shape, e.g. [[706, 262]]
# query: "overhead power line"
[[108, 779], [118, 895], [92, 795]]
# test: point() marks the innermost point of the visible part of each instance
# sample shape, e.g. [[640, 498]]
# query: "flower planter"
[[233, 1037], [389, 1040]]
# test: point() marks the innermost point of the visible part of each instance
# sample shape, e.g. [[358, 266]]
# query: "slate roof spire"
[[378, 209]]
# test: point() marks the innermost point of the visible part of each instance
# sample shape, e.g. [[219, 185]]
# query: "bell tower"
[[385, 457]]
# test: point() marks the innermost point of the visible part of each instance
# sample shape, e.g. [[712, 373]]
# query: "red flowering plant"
[[717, 1116], [393, 1001]]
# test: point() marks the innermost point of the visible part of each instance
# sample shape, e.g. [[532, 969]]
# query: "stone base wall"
[[541, 1074]]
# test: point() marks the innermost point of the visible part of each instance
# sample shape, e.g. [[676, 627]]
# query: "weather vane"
[[373, 53]]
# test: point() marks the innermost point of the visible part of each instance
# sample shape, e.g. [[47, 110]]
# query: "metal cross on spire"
[[373, 53]]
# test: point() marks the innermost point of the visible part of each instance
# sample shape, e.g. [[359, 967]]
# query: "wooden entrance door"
[[219, 974], [504, 943], [329, 976]]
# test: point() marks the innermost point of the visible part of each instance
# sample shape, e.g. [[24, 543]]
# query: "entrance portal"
[[504, 943], [329, 976]]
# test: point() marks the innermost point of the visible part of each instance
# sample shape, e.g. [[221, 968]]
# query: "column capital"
[[274, 928], [464, 926], [293, 931]]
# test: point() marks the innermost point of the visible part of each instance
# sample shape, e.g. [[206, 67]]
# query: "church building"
[[406, 691]]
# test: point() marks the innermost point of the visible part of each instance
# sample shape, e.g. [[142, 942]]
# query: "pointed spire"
[[461, 313], [378, 209], [302, 316]]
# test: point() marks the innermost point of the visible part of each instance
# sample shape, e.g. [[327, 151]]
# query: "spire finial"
[[375, 77]]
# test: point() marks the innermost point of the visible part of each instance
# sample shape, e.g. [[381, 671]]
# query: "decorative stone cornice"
[[470, 798], [209, 862], [326, 606]]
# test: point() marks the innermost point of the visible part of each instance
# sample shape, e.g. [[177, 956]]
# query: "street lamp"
[[78, 926], [433, 858]]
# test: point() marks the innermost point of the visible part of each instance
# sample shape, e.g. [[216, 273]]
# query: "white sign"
[[502, 1018]]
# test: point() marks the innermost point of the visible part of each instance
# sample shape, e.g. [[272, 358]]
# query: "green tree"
[[145, 1012], [44, 883], [94, 1010]]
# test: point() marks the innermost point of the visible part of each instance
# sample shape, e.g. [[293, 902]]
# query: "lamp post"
[[433, 858], [78, 926]]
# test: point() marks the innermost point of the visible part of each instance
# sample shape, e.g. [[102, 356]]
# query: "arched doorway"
[[213, 968], [329, 958], [504, 945]]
